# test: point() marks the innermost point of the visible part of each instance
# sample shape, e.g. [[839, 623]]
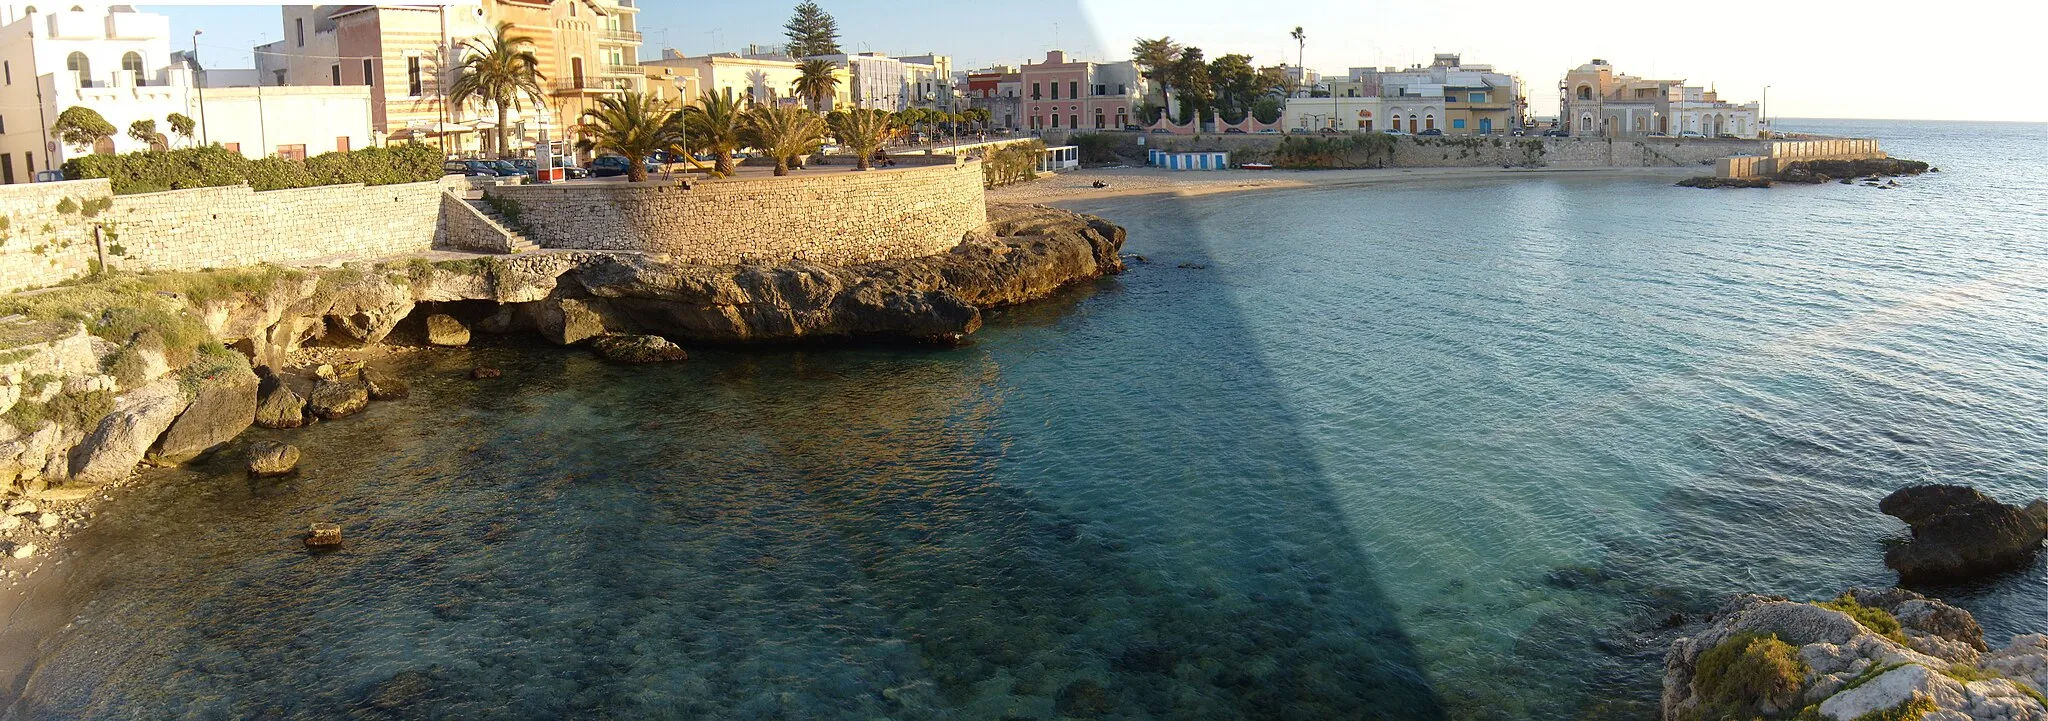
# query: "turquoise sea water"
[[1472, 450]]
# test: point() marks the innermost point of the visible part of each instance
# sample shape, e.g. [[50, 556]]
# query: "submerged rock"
[[484, 372], [338, 398], [1959, 533], [384, 386], [271, 458], [639, 349], [445, 330]]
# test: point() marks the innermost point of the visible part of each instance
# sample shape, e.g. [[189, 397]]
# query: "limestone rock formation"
[[445, 330], [271, 458], [333, 399], [1821, 171], [1959, 532], [224, 407], [281, 409], [1865, 652], [638, 349], [127, 433]]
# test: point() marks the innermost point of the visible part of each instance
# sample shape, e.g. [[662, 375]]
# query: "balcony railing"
[[631, 70], [586, 85], [621, 36]]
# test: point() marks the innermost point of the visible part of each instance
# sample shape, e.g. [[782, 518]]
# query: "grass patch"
[[1878, 620], [1908, 710], [1740, 675], [125, 308], [212, 360], [82, 411]]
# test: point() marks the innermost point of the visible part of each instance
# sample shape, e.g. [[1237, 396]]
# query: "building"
[[928, 81], [999, 90], [1446, 95], [119, 63], [762, 79], [879, 81], [1302, 82], [409, 55], [1063, 94], [1593, 100]]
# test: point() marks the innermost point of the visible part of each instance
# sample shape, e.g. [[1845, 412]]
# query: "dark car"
[[1432, 131], [1233, 131], [608, 166], [474, 168], [507, 169], [1555, 133], [531, 167]]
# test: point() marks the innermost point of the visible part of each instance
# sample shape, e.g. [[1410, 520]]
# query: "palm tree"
[[633, 125], [784, 133], [500, 70], [818, 82], [864, 130], [1157, 58], [717, 125], [1300, 53]]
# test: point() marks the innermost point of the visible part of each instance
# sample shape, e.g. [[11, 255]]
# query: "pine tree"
[[812, 31]]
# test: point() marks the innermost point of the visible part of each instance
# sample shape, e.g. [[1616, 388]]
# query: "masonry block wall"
[[45, 240], [1481, 152], [836, 216], [236, 226]]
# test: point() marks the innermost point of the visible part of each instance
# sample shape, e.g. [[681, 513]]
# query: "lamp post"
[[682, 91], [199, 85], [1765, 110]]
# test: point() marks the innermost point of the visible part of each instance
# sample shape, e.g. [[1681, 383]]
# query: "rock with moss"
[[126, 434], [445, 330], [638, 349], [282, 408], [1863, 655], [333, 399]]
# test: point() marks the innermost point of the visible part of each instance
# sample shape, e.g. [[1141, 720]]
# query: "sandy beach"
[[1127, 181]]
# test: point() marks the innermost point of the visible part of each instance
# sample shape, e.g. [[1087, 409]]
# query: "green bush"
[[1014, 163], [1740, 675], [1878, 620], [214, 166], [1348, 150]]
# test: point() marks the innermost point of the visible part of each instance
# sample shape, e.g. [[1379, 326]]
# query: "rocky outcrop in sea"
[[1885, 655]]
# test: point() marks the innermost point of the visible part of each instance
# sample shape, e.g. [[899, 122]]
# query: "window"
[[1034, 91], [1055, 116], [367, 72], [576, 71], [7, 169], [1585, 93], [8, 68], [280, 77], [132, 63], [3, 125], [79, 64], [1122, 89], [300, 25], [292, 152], [336, 69], [1055, 91], [1073, 89], [1074, 121], [1457, 123], [413, 85], [1477, 97], [341, 144]]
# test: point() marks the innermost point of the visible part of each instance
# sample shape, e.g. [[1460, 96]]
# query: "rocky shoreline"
[[1875, 173], [102, 377]]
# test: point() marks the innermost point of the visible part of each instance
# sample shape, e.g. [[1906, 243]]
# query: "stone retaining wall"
[[1495, 151], [43, 239], [828, 215], [236, 226]]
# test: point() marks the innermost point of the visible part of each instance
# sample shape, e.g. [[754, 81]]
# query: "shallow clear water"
[[1470, 450]]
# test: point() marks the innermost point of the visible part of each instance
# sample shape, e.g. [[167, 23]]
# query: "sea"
[[1459, 449]]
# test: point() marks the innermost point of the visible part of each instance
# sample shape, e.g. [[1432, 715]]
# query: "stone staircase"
[[517, 241]]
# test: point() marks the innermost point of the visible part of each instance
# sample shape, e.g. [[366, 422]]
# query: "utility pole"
[[199, 84]]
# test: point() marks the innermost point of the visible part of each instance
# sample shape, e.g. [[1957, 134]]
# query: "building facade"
[[752, 79], [999, 90], [1062, 94], [119, 63], [1593, 100], [1446, 95]]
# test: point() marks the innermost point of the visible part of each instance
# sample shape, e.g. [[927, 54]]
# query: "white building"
[[118, 62], [753, 79], [1447, 96], [1595, 101]]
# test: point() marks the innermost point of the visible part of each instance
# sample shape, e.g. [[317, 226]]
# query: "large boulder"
[[127, 433], [224, 407], [1960, 533], [445, 330], [638, 349], [337, 398], [283, 408], [568, 321], [384, 386]]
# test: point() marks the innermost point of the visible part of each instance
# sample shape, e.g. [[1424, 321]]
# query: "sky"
[[1958, 60]]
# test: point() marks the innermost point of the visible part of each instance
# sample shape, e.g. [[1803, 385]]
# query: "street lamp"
[[1765, 110], [683, 90]]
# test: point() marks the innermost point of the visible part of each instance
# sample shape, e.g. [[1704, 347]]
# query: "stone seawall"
[[826, 215], [235, 226], [1496, 151], [44, 239]]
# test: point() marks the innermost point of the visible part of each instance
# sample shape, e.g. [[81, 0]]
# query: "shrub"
[[1878, 620], [1014, 163], [215, 166], [67, 206], [1740, 675], [1350, 150], [1910, 709]]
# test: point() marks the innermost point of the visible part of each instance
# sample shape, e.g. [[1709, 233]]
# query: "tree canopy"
[[500, 70], [82, 127], [811, 31]]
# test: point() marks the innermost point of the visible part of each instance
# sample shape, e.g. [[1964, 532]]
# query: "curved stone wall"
[[827, 214]]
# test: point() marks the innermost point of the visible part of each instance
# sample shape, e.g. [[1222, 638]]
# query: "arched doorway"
[[131, 63], [78, 63], [1429, 122]]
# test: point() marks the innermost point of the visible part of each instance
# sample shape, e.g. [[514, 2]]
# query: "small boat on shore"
[[1255, 166]]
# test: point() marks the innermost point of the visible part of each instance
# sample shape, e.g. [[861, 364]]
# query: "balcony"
[[137, 26], [620, 37], [76, 26], [633, 70], [585, 86]]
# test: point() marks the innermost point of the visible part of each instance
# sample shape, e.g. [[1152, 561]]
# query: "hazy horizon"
[[1803, 49]]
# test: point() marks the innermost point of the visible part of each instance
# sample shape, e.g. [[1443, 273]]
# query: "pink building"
[[1063, 95]]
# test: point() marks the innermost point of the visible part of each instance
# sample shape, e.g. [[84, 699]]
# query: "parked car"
[[1396, 131], [49, 176], [569, 170], [608, 166], [1556, 133], [1269, 131], [1161, 131], [1432, 131], [1233, 131], [473, 168], [1298, 131], [508, 169]]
